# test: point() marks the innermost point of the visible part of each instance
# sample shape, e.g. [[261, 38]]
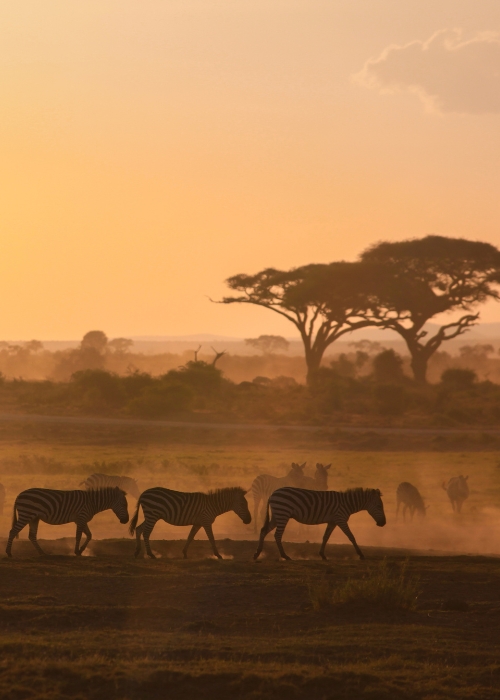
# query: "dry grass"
[[383, 586]]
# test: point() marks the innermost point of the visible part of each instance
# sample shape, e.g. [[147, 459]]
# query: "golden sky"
[[152, 149]]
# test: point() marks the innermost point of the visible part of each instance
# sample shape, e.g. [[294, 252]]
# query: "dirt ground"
[[110, 626]]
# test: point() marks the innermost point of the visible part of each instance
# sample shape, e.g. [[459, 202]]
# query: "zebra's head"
[[375, 507], [297, 472], [321, 476], [119, 505], [240, 505]]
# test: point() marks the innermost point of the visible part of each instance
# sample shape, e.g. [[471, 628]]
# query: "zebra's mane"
[[361, 491], [108, 490], [229, 489]]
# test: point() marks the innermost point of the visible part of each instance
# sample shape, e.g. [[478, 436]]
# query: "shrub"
[[388, 366], [382, 587], [459, 379], [392, 399]]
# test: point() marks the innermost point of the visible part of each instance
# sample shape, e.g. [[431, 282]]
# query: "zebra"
[[264, 484], [181, 508], [410, 497], [316, 507], [102, 481], [2, 498], [457, 490], [58, 507], [318, 482]]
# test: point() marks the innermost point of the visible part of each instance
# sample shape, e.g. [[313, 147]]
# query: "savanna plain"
[[418, 619]]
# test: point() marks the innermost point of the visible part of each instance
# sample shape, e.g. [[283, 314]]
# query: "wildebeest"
[[457, 490], [410, 497]]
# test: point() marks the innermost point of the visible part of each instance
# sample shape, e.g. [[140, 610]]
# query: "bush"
[[458, 379], [382, 587], [158, 401], [388, 367], [392, 399]]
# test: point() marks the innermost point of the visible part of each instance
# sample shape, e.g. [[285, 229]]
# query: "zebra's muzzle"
[[124, 520], [381, 523]]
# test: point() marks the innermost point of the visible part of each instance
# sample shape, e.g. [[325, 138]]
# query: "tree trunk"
[[419, 367], [313, 362]]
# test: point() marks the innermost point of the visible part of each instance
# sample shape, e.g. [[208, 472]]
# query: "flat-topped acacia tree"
[[324, 302], [424, 277]]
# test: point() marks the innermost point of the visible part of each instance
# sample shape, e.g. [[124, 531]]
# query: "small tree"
[[388, 366], [95, 340], [268, 344], [120, 346], [422, 278]]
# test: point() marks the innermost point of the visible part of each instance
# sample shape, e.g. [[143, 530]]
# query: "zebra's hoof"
[[151, 556], [323, 557], [256, 556]]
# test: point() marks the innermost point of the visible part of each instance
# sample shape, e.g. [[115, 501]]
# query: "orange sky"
[[150, 150]]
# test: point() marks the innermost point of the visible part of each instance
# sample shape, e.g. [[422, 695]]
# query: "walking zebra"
[[103, 481], [2, 498], [318, 482], [181, 508], [316, 507], [457, 490], [410, 497], [264, 484], [59, 507]]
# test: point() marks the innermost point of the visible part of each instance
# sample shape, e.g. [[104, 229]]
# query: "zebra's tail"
[[135, 517], [268, 510], [14, 520]]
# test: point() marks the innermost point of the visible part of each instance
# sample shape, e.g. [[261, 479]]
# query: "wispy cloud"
[[447, 72]]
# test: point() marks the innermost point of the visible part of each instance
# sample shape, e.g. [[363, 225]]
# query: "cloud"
[[448, 73]]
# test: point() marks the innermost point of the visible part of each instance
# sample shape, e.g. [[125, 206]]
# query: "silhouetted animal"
[[59, 507], [103, 481], [410, 497], [318, 482], [457, 490], [316, 507], [181, 508], [2, 498], [264, 484]]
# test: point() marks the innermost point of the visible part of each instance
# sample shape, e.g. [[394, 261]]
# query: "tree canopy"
[[422, 278], [323, 301]]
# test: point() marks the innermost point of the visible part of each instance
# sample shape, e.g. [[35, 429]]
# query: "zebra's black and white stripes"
[[182, 508], [316, 507], [59, 507], [264, 484], [104, 481]]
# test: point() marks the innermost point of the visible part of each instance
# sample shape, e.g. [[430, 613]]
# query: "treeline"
[[340, 393]]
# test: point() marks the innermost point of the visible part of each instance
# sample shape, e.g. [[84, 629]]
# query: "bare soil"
[[111, 626]]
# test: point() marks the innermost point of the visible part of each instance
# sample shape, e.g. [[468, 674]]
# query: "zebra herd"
[[294, 496]]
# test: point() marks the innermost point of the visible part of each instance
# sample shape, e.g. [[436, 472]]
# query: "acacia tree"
[[422, 278], [324, 302]]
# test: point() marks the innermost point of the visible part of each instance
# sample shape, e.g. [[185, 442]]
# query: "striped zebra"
[[457, 490], [181, 508], [59, 507], [103, 481], [318, 482], [2, 498], [264, 484], [410, 497], [317, 507]]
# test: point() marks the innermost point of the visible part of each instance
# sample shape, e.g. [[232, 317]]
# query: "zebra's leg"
[[268, 526], [190, 538], [20, 524], [82, 528], [346, 530], [32, 536], [210, 534], [256, 503], [412, 512], [138, 533], [397, 509], [280, 529], [148, 529], [405, 508], [329, 529]]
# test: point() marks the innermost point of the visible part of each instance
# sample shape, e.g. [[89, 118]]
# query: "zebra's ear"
[[466, 477], [328, 466], [302, 465]]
